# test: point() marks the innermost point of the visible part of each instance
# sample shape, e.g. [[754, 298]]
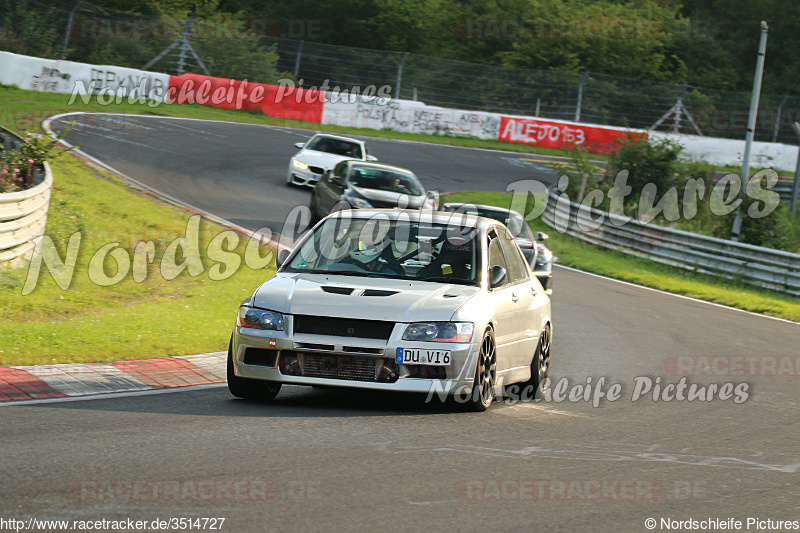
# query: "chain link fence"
[[251, 49]]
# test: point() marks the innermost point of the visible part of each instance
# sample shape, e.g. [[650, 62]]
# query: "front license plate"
[[411, 356]]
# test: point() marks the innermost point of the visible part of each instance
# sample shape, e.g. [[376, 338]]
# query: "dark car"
[[361, 185], [534, 249]]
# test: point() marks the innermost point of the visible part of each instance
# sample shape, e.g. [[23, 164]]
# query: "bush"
[[582, 173], [777, 230], [647, 162]]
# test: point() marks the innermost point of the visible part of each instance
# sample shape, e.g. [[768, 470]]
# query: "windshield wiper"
[[456, 281], [360, 274]]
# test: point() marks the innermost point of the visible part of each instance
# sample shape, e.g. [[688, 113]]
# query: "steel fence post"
[[736, 228], [399, 77], [580, 97], [69, 29], [796, 184], [297, 60], [778, 118]]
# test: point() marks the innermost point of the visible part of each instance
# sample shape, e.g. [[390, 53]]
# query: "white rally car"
[[320, 154], [393, 300]]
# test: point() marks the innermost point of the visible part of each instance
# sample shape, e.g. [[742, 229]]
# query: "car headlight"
[[358, 203], [439, 331], [299, 164], [250, 317]]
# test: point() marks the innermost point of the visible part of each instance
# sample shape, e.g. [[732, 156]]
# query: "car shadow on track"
[[292, 402]]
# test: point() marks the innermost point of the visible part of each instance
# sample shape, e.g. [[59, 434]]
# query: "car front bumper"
[[545, 277], [274, 347], [304, 177]]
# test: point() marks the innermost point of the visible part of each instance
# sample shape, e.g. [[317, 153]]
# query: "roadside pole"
[[796, 184], [736, 229]]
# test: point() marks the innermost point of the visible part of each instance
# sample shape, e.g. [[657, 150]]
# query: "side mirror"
[[432, 199], [283, 255], [541, 237], [371, 158], [336, 180], [496, 275], [299, 145]]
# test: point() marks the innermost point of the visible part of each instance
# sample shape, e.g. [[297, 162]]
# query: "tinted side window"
[[517, 270], [496, 255], [341, 170]]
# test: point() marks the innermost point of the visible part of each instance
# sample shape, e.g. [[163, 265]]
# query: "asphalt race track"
[[336, 459], [238, 171]]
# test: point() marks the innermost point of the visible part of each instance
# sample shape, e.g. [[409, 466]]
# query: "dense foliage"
[[671, 191], [707, 43]]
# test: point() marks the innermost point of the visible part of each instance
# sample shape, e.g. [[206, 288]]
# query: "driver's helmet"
[[364, 252]]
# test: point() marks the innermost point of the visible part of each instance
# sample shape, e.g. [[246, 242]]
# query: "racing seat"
[[450, 263]]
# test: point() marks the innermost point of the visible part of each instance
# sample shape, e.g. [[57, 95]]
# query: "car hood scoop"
[[362, 298], [337, 290], [377, 292], [347, 291]]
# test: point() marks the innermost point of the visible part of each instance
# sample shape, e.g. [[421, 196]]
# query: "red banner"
[[272, 100], [550, 134]]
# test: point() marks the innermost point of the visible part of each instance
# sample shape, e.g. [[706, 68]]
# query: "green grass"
[[129, 320], [574, 253]]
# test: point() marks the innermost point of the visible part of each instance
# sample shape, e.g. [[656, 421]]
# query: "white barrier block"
[[54, 76]]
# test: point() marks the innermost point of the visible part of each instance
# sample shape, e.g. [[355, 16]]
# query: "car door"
[[333, 189], [502, 302], [523, 293]]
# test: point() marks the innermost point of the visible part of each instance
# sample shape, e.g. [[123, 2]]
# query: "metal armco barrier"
[[23, 214], [764, 267], [785, 192]]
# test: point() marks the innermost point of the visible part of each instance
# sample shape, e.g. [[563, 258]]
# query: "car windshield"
[[331, 145], [513, 220], [383, 248], [385, 180], [517, 226]]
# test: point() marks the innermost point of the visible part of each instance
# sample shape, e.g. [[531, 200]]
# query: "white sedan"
[[412, 301], [320, 154]]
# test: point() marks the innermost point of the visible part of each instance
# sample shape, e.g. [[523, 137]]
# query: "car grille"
[[382, 204], [427, 372], [347, 367], [343, 327], [317, 170]]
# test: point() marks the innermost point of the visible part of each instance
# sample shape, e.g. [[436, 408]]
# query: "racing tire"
[[482, 394], [540, 366]]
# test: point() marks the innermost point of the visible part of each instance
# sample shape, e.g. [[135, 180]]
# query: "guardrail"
[[764, 267], [785, 192], [23, 214]]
